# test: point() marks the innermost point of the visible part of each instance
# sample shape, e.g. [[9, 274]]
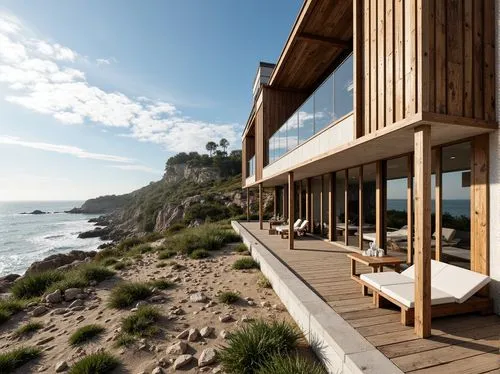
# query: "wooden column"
[[380, 199], [321, 218], [346, 206], [309, 209], [409, 210], [285, 202], [275, 201], [361, 210], [261, 207], [422, 138], [291, 210], [439, 205], [332, 218], [479, 206], [299, 183], [248, 204]]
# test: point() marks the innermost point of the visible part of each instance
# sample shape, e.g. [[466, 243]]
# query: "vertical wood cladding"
[[426, 56]]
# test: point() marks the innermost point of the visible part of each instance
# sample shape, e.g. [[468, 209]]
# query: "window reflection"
[[323, 102], [343, 88], [306, 120]]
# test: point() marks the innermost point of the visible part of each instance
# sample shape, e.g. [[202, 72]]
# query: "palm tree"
[[211, 146], [224, 144]]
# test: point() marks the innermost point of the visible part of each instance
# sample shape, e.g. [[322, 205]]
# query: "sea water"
[[25, 238]]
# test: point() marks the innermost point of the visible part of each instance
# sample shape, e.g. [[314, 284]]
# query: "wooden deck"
[[461, 344]]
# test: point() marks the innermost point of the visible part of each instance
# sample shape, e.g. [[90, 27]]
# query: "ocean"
[[456, 208], [25, 238]]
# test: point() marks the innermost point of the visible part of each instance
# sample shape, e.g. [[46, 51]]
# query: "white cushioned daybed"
[[452, 290]]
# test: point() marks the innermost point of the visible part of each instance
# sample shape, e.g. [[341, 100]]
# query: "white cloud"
[[65, 149], [143, 168], [40, 79]]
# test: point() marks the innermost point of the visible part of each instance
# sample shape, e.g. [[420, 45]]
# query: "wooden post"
[[409, 211], [275, 201], [332, 218], [346, 207], [286, 213], [248, 204], [321, 207], [309, 203], [291, 210], [361, 210], [380, 203], [422, 138], [261, 207], [480, 258], [439, 205], [299, 183]]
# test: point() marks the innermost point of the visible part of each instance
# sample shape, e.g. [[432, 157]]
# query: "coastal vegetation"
[[14, 359], [142, 323], [85, 333], [126, 294], [245, 263], [95, 363], [28, 328], [228, 297]]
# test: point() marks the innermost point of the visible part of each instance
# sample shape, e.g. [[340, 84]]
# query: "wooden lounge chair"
[[453, 290], [283, 229], [297, 230]]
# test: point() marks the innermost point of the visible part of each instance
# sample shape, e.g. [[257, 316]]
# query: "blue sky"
[[96, 95]]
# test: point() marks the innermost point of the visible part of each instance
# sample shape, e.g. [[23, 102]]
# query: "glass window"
[[369, 204], [326, 180], [456, 179], [306, 120], [281, 141], [343, 89], [292, 131], [353, 205], [271, 149], [340, 205], [323, 105], [396, 218]]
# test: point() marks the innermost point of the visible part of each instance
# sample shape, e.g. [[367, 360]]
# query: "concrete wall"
[[338, 345], [327, 140], [495, 182]]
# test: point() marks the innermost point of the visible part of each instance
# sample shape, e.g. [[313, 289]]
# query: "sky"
[[96, 95]]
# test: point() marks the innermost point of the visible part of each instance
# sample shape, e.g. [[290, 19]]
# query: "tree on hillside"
[[224, 143], [211, 147]]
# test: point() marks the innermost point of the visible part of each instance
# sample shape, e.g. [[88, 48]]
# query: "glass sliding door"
[[369, 205], [353, 207], [340, 205], [456, 192], [397, 205]]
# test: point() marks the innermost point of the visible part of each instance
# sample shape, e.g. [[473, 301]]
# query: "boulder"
[[39, 311], [207, 357], [71, 294], [178, 348], [181, 361], [194, 335], [157, 370], [54, 297], [206, 331], [198, 297], [61, 366], [58, 260], [7, 281]]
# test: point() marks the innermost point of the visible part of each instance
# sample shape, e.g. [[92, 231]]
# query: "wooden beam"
[[291, 210], [286, 213], [358, 67], [346, 206], [479, 205], [380, 182], [275, 201], [332, 218], [361, 210], [261, 207], [299, 183], [334, 42], [439, 205], [308, 202], [248, 204], [409, 210], [422, 138]]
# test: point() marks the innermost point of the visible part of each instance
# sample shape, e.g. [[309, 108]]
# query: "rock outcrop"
[[58, 260]]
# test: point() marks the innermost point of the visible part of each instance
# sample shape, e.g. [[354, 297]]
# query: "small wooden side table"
[[272, 223], [376, 263]]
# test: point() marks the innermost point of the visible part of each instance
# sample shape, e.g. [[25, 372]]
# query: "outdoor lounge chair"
[[452, 290], [297, 230], [283, 229]]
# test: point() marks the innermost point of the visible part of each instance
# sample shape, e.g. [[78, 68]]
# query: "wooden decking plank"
[[481, 364], [422, 360], [364, 313], [374, 321], [382, 328], [392, 337]]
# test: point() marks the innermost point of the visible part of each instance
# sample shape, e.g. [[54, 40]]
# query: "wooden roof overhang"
[[322, 35]]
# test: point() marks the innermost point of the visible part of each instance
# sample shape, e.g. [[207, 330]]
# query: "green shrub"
[[140, 249], [4, 316], [10, 361], [107, 253], [176, 227], [152, 237], [246, 263], [125, 340], [93, 272], [123, 264], [163, 255], [34, 285], [71, 279], [290, 364], [253, 345], [126, 294], [241, 247], [12, 305], [198, 254], [28, 328], [95, 363], [85, 333], [228, 297], [263, 282], [161, 284], [128, 243], [109, 261], [142, 322]]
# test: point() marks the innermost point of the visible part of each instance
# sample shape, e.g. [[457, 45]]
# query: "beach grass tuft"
[[279, 364], [228, 297], [85, 334], [12, 360], [126, 294], [95, 363], [28, 328], [199, 254], [245, 263], [142, 322]]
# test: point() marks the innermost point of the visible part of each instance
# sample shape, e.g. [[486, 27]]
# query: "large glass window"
[[323, 105], [353, 206], [343, 89], [326, 180], [316, 204], [456, 180], [306, 120], [396, 217], [340, 205], [332, 100], [369, 204]]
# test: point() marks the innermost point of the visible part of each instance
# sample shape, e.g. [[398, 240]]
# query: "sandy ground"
[[210, 276]]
